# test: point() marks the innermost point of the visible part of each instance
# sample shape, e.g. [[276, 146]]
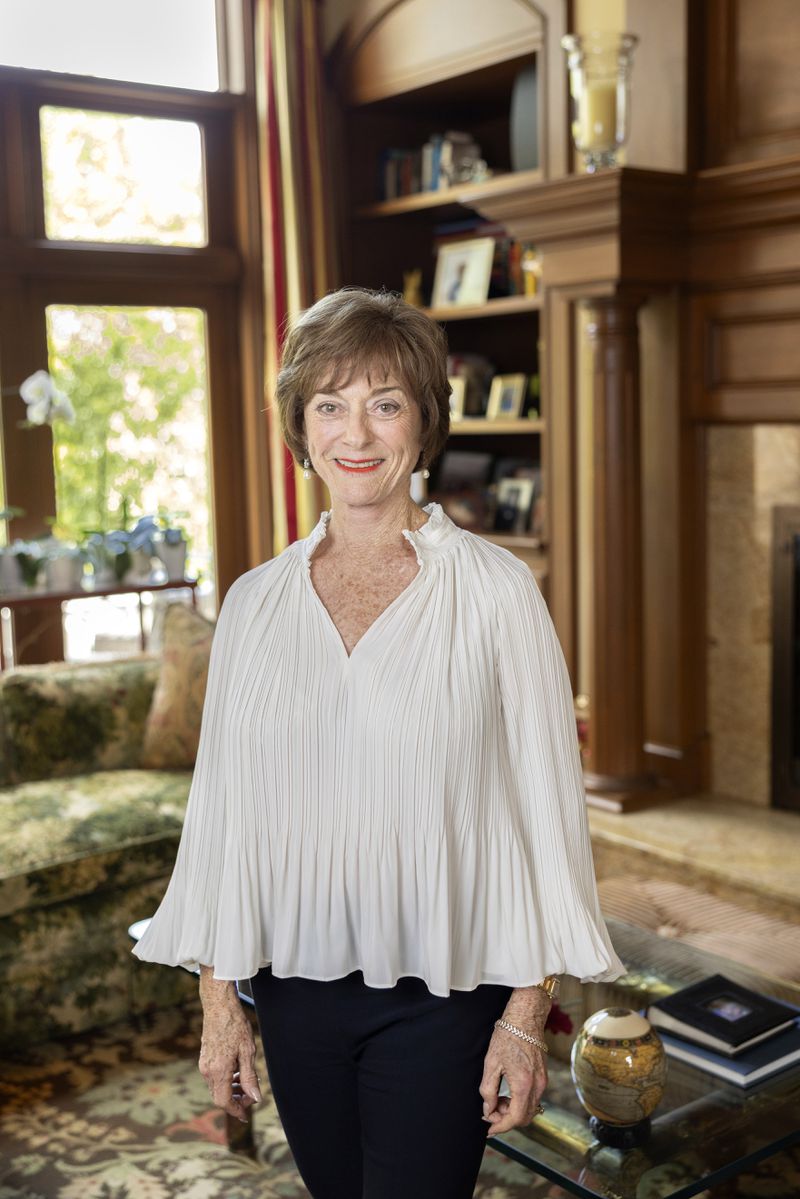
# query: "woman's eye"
[[385, 407]]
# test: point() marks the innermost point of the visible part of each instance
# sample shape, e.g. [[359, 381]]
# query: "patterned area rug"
[[124, 1114]]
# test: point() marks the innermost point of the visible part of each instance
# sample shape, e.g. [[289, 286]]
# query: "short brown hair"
[[354, 330]]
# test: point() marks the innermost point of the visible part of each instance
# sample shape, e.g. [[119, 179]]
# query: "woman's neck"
[[367, 532]]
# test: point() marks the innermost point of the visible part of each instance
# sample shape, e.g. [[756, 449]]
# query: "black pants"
[[377, 1089]]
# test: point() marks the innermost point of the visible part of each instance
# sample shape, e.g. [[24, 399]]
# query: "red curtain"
[[297, 221]]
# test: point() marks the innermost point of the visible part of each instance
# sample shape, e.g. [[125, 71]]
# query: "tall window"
[[127, 179], [139, 440], [137, 42], [123, 275]]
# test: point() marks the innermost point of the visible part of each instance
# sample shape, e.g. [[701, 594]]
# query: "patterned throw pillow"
[[59, 719], [172, 732]]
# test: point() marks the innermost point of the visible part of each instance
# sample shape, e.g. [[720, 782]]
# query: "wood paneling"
[[745, 353], [753, 350], [657, 137], [751, 100], [765, 45]]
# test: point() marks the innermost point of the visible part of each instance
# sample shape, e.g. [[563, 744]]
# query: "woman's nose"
[[357, 428]]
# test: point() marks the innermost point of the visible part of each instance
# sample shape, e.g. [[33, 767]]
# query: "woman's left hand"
[[524, 1066]]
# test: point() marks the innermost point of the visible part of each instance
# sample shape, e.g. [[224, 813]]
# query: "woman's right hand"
[[227, 1048]]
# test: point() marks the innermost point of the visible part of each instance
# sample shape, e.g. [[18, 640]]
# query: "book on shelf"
[[516, 281], [721, 1015], [430, 163], [400, 172], [443, 160], [754, 1065], [499, 278]]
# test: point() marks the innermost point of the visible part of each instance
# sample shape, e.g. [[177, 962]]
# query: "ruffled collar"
[[438, 534]]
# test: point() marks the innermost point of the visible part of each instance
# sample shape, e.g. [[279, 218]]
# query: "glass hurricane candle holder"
[[599, 83]]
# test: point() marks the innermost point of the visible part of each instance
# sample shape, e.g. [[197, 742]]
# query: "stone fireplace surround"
[[751, 469]]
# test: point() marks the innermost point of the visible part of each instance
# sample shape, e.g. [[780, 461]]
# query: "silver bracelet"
[[519, 1033]]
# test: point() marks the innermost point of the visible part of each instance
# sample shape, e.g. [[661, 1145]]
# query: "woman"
[[386, 828]]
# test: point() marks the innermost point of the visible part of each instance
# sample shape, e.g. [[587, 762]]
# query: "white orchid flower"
[[37, 389], [38, 411], [61, 408], [45, 401]]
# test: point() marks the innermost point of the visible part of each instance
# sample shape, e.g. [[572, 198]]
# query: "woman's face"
[[369, 420]]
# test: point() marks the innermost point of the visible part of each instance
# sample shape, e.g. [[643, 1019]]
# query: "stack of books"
[[728, 1030], [445, 159]]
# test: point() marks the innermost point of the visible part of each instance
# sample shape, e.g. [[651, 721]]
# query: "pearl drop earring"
[[426, 474], [306, 471]]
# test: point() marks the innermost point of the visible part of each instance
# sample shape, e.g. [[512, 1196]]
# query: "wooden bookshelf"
[[485, 428], [502, 306], [515, 540], [386, 104], [462, 194]]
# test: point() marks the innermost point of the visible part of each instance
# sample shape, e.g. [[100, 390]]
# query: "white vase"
[[140, 569], [104, 576], [64, 573], [174, 559], [10, 571]]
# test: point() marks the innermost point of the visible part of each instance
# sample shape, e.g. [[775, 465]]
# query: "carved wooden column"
[[617, 776]]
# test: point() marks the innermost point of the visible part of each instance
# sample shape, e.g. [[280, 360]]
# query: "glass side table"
[[704, 1131]]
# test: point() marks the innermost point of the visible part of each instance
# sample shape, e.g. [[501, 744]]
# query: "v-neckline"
[[348, 657], [433, 538]]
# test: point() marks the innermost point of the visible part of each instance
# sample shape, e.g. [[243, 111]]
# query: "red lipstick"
[[359, 470]]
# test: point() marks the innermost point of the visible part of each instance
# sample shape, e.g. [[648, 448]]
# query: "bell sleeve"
[[185, 928], [543, 761]]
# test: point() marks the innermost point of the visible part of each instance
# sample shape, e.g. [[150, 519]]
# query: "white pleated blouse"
[[415, 808]]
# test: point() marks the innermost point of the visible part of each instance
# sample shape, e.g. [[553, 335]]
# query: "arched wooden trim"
[[360, 58]]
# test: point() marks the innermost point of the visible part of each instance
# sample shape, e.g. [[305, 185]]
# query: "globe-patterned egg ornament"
[[619, 1067]]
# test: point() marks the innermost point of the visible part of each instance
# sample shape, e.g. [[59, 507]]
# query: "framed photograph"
[[462, 469], [458, 395], [506, 397], [463, 271], [514, 499]]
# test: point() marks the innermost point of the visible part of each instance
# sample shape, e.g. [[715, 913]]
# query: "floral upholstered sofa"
[[95, 769]]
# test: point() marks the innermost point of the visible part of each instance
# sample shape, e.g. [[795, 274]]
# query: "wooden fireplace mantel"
[[640, 216], [608, 242], [726, 243]]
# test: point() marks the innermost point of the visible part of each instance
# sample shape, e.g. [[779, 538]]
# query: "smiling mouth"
[[358, 464]]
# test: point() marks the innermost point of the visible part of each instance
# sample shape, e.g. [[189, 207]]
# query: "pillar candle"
[[597, 122]]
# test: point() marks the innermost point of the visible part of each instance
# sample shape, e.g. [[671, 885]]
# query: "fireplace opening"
[[785, 792]]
